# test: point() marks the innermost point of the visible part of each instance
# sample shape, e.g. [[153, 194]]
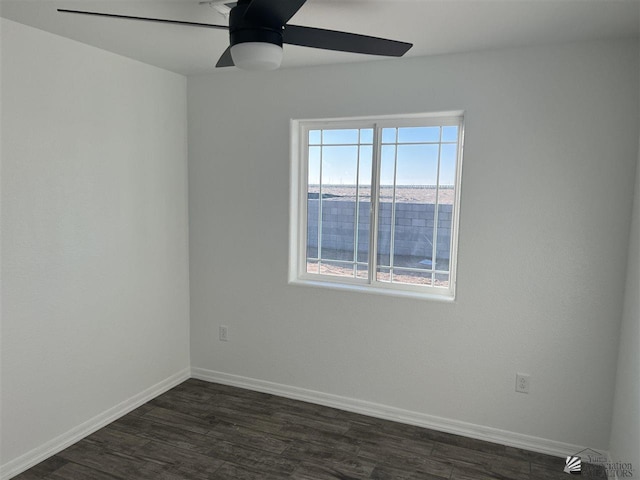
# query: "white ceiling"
[[433, 26]]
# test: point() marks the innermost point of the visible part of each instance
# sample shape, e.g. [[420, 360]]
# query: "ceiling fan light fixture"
[[256, 55], [258, 29]]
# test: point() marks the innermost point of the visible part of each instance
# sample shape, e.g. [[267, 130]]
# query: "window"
[[374, 203]]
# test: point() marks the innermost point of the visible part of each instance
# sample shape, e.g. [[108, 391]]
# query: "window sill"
[[370, 289]]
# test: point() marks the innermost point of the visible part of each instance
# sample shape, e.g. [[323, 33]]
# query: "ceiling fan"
[[258, 28]]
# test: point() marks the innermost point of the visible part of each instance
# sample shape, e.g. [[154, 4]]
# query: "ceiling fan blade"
[[272, 12], [343, 41], [225, 59], [146, 19]]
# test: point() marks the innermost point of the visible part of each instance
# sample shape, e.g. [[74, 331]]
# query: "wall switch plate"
[[522, 382], [223, 333]]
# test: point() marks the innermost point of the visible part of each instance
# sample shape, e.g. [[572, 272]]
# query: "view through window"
[[381, 201]]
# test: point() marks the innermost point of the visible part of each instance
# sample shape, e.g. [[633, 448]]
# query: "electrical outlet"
[[223, 333], [522, 382]]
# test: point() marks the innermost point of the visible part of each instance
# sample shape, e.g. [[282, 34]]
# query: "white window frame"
[[298, 274]]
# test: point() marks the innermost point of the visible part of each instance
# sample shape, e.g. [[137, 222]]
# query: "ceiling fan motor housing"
[[243, 30]]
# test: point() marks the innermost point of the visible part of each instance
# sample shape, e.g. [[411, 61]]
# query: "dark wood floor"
[[201, 430]]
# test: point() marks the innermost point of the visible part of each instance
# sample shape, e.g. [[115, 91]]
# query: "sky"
[[416, 149]]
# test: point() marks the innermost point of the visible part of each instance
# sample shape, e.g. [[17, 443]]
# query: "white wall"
[[551, 147], [95, 302], [625, 433], [94, 255]]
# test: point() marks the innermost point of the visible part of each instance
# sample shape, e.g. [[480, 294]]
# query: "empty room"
[[321, 239]]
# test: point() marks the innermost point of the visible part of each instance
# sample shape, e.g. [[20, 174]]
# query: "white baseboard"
[[457, 427], [35, 456]]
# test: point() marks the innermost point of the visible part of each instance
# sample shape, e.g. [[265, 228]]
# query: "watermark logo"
[[573, 465], [596, 464]]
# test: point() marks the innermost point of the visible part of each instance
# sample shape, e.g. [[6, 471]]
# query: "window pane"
[[418, 134], [444, 230], [385, 204], [366, 135], [383, 274], [389, 135], [366, 157], [384, 233], [409, 249], [338, 229], [312, 227], [339, 137], [339, 165], [387, 164], [363, 271], [314, 166], [417, 165], [341, 269], [312, 266], [448, 164], [450, 134], [364, 210], [413, 231], [338, 204], [313, 193], [446, 199], [441, 280], [314, 137], [410, 277]]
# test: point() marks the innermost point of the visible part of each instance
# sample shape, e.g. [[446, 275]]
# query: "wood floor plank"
[[229, 471], [181, 420], [310, 471], [533, 457], [346, 463], [313, 421], [241, 435], [182, 405], [43, 469], [464, 457], [259, 422], [376, 444], [114, 463], [115, 440], [185, 463], [304, 433], [74, 471], [436, 468], [394, 472], [141, 410], [511, 468], [467, 473], [178, 437], [253, 459], [205, 431]]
